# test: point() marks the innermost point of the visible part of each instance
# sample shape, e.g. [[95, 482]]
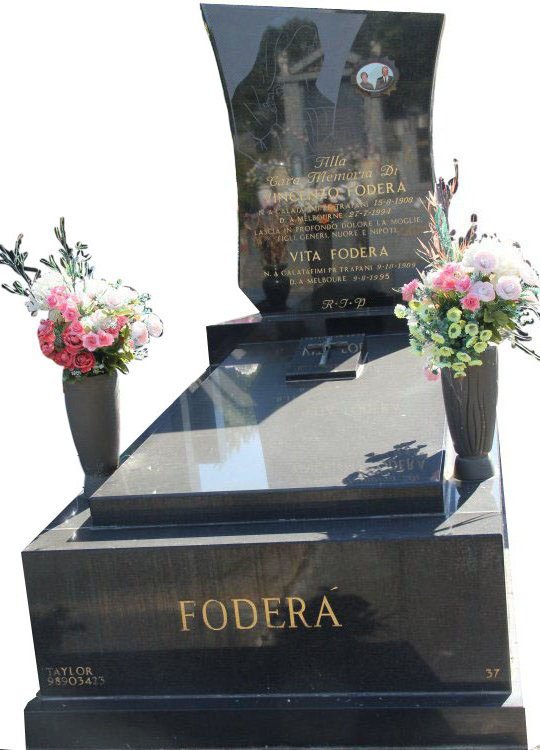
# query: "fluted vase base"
[[473, 468]]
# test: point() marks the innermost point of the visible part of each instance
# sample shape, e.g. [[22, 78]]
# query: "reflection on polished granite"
[[331, 177], [243, 435]]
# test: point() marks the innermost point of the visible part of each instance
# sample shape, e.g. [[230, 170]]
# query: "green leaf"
[[501, 319], [121, 366]]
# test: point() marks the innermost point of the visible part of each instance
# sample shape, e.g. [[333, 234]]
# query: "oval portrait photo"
[[376, 77]]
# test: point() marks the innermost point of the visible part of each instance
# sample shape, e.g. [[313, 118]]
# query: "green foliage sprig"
[[74, 262], [16, 260]]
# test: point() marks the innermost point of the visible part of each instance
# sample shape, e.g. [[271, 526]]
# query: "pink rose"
[[45, 326], [470, 302], [72, 340], [485, 261], [463, 284], [54, 301], [120, 323], [438, 281], [47, 348], [45, 332], [73, 348], [64, 359], [69, 310], [483, 290], [59, 291], [105, 338], [408, 290], [448, 283], [76, 328], [509, 287], [69, 302], [84, 361], [432, 375], [449, 269], [71, 313], [90, 341], [48, 338]]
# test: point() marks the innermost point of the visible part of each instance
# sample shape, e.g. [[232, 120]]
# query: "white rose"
[[128, 294], [113, 298], [508, 287], [139, 333], [470, 254], [41, 288], [154, 325], [483, 290], [96, 287], [98, 319], [509, 262], [428, 279], [529, 275]]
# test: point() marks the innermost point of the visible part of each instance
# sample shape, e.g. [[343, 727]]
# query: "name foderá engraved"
[[245, 614]]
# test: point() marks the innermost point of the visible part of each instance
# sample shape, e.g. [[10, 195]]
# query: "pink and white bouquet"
[[473, 294], [91, 326]]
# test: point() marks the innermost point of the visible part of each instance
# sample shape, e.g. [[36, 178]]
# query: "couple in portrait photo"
[[375, 77]]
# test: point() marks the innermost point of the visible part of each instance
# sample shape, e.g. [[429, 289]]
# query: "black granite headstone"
[[285, 561], [330, 113]]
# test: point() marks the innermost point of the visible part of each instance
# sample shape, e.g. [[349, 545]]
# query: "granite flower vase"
[[93, 415], [471, 410]]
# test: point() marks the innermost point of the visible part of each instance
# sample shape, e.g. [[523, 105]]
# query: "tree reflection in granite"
[[360, 656], [406, 459], [51, 627]]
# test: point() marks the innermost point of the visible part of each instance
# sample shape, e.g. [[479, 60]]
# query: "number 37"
[[492, 673]]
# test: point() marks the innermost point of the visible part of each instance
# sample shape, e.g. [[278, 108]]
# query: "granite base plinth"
[[161, 724], [370, 632]]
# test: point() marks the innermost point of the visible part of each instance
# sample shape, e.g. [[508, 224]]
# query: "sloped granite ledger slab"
[[242, 443]]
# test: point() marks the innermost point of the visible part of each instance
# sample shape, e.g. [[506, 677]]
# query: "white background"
[[112, 115]]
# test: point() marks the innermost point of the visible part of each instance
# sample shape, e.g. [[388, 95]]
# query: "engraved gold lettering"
[[268, 612], [327, 611], [183, 614], [224, 616], [237, 617], [243, 613], [352, 253], [335, 160], [73, 676], [294, 613]]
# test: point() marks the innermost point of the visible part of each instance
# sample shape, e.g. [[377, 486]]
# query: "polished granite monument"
[[283, 558]]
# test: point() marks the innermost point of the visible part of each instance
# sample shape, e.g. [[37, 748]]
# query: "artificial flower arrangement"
[[474, 293], [91, 326]]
